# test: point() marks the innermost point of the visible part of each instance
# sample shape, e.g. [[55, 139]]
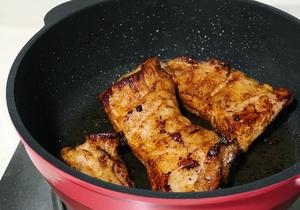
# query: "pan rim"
[[26, 136]]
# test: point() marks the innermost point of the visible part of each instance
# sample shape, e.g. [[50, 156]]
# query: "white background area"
[[19, 21]]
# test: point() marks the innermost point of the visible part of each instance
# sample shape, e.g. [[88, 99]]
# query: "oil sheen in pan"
[[269, 154]]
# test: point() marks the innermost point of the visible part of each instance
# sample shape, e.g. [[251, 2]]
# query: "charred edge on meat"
[[106, 135], [284, 94], [130, 80], [165, 180], [220, 65], [104, 97]]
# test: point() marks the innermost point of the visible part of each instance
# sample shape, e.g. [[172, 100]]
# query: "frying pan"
[[85, 45]]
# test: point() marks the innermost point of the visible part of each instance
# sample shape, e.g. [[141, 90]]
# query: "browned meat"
[[98, 157], [178, 156], [236, 105]]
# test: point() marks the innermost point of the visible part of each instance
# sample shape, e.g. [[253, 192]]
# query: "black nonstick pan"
[[86, 45]]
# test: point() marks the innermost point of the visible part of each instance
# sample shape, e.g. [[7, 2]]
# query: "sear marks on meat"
[[143, 105], [236, 105], [98, 157]]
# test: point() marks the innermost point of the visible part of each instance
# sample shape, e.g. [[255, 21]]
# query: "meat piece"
[[98, 157], [178, 155], [228, 153], [236, 105]]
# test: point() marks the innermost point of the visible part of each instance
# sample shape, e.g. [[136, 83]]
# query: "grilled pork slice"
[[178, 156], [236, 105], [98, 157]]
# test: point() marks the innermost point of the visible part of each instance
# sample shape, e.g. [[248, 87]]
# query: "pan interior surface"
[[58, 81]]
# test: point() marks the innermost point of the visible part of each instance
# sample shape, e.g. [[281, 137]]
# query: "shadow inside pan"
[[271, 153]]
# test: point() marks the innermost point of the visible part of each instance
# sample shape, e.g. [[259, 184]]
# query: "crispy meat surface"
[[98, 157], [236, 105], [178, 156]]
